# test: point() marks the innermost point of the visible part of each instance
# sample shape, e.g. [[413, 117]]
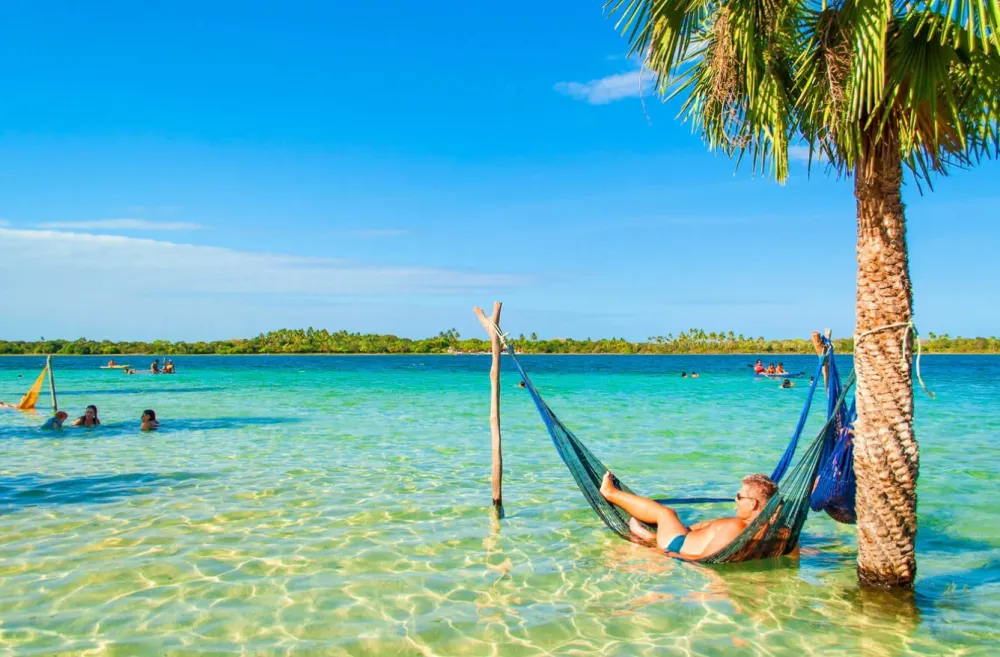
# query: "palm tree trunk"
[[885, 450]]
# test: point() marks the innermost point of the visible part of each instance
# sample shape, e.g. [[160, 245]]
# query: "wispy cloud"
[[380, 232], [608, 89], [137, 268], [122, 224], [4, 222]]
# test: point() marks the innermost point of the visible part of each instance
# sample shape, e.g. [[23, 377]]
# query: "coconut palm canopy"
[[845, 76]]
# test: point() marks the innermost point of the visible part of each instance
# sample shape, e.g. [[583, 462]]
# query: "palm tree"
[[871, 87]]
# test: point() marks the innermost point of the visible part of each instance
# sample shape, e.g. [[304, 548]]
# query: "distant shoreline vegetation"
[[312, 341]]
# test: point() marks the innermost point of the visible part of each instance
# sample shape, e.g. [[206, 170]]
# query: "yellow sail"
[[29, 400]]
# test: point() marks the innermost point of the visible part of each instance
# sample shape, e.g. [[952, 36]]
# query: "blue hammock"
[[773, 533], [836, 486]]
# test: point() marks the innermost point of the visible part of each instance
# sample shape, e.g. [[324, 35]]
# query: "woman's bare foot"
[[607, 488], [640, 532]]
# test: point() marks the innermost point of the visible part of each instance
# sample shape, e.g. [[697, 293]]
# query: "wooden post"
[[818, 345], [52, 384], [491, 325]]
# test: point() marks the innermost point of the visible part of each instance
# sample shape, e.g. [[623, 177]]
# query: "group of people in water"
[[90, 419], [154, 368], [770, 370]]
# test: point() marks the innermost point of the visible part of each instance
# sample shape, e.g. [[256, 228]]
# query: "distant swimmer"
[[129, 370], [149, 421], [787, 383], [112, 363], [694, 375], [55, 422], [155, 367], [522, 384], [758, 367], [88, 419], [780, 369], [684, 375], [168, 367]]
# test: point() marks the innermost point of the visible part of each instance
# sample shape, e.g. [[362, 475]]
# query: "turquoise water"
[[340, 506]]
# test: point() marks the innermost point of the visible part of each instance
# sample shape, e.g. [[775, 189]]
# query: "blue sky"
[[210, 170]]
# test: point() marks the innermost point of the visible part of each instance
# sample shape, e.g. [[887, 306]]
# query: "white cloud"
[[609, 89], [123, 224], [88, 266], [380, 232]]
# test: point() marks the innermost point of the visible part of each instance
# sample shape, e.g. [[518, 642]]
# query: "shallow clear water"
[[340, 505]]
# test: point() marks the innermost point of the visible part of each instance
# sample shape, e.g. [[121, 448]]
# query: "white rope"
[[500, 334], [911, 330]]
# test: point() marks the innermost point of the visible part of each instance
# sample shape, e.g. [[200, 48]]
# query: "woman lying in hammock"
[[701, 539]]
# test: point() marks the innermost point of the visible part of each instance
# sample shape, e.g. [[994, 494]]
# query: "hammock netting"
[[775, 531], [836, 487]]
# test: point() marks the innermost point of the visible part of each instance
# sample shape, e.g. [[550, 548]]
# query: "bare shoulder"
[[730, 527]]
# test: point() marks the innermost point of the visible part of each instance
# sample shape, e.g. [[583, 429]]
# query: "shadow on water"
[[36, 489], [131, 428], [137, 391], [210, 424]]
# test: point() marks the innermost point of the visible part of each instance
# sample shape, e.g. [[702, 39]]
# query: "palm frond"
[[977, 22]]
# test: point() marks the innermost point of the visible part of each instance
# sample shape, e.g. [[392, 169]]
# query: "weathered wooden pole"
[[818, 345], [491, 325], [52, 384]]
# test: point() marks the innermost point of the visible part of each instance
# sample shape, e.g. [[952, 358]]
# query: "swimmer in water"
[[88, 419], [149, 421], [787, 383], [55, 422]]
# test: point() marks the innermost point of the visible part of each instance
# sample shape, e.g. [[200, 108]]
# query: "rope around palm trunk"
[[911, 331]]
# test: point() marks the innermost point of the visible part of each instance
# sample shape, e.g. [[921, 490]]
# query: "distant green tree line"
[[322, 341]]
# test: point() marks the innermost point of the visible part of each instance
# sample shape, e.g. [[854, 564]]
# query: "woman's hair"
[[92, 407], [150, 412]]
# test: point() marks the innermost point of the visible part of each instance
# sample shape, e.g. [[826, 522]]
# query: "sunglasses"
[[743, 497]]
